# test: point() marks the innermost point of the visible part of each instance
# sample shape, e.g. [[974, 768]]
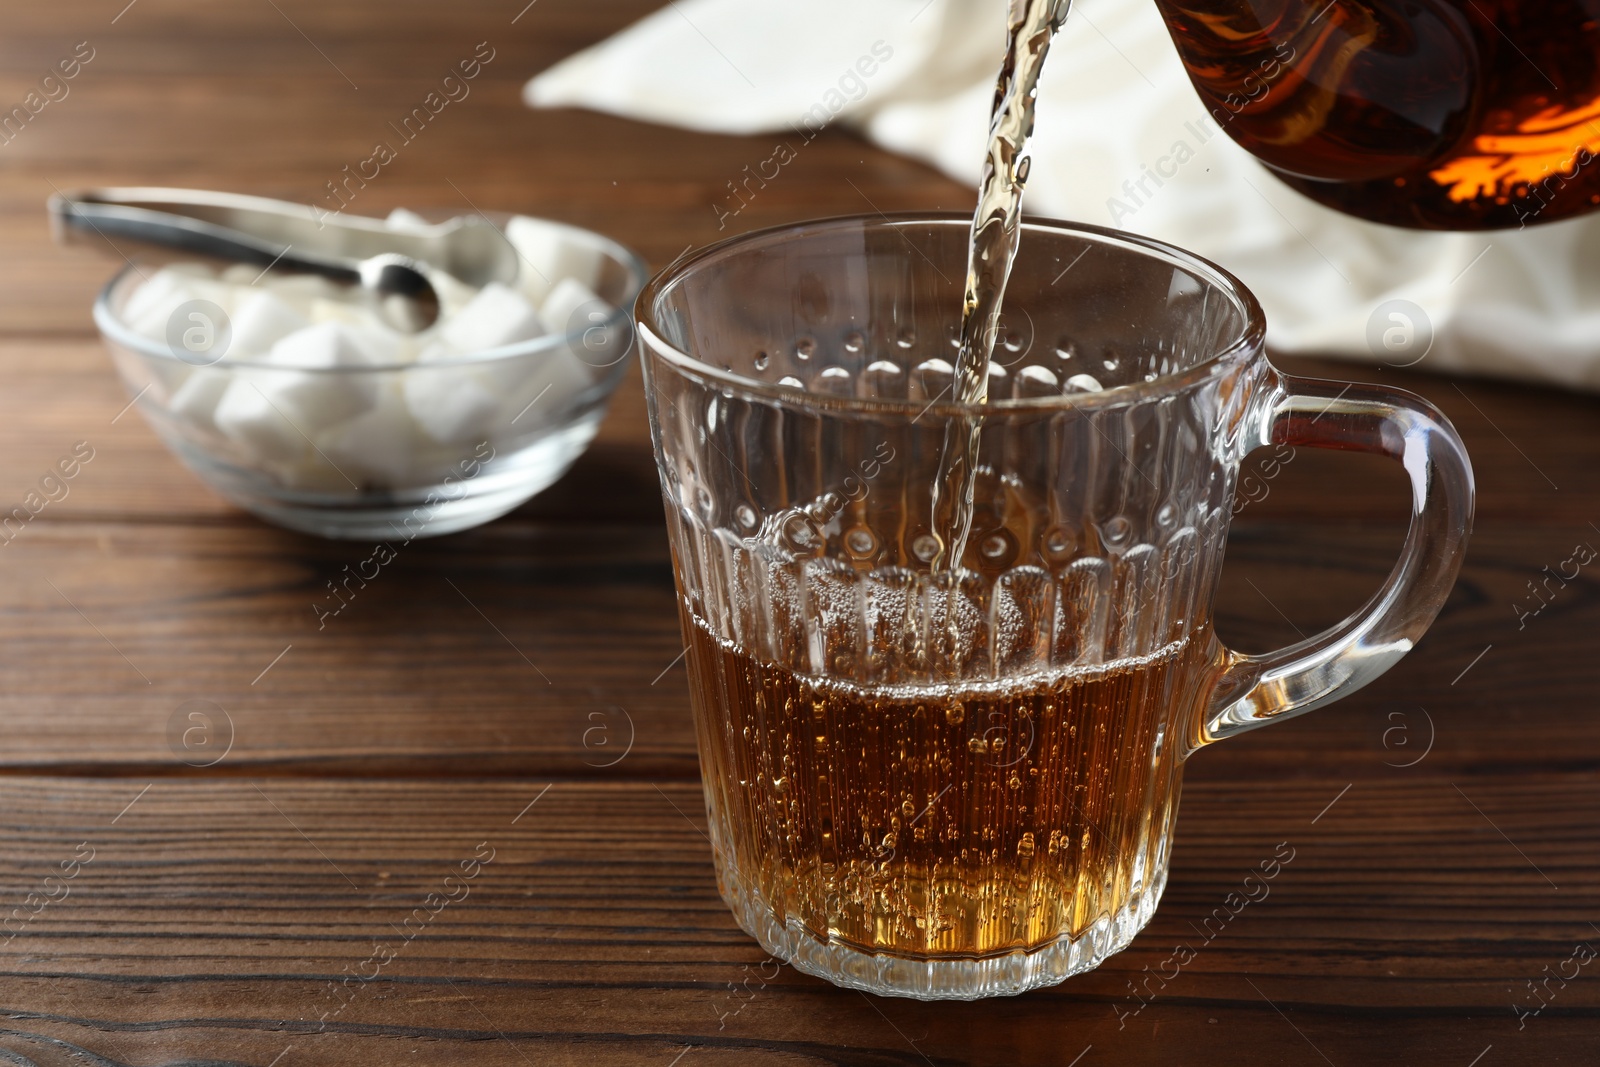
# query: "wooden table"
[[515, 694]]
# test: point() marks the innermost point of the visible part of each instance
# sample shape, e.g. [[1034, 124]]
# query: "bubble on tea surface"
[[804, 347], [994, 546], [1066, 350], [789, 381], [905, 338], [762, 360], [854, 341], [1083, 383]]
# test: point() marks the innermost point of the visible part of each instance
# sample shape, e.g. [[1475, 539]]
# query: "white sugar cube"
[[453, 294], [298, 396], [496, 317], [451, 405], [205, 283], [303, 285], [550, 253], [150, 305], [195, 400], [166, 378], [322, 309], [314, 401], [572, 308], [436, 351], [375, 447], [249, 418], [299, 290], [366, 330], [536, 389], [260, 321], [546, 384], [326, 344], [383, 345]]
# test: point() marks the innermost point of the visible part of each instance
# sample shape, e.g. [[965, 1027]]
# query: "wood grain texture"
[[61, 391], [212, 917], [549, 649], [1443, 820]]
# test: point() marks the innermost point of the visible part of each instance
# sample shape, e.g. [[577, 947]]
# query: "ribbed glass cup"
[[956, 782]]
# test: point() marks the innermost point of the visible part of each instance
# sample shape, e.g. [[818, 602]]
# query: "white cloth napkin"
[[917, 76]]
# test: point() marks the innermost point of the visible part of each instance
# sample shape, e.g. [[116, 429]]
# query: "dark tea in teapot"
[[1438, 114]]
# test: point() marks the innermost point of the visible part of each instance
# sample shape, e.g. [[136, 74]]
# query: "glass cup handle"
[[1253, 690]]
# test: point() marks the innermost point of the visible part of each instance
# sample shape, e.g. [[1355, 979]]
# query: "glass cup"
[[961, 782]]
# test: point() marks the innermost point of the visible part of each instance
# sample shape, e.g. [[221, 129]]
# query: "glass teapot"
[[1437, 114]]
